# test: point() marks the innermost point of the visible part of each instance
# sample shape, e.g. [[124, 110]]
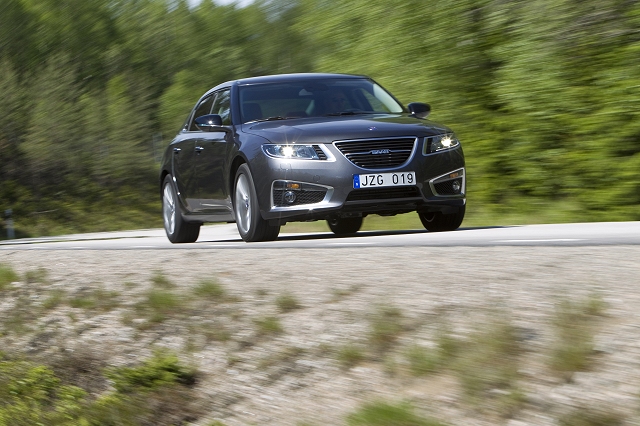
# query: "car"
[[264, 151]]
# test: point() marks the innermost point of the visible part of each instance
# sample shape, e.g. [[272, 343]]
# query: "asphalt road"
[[225, 236]]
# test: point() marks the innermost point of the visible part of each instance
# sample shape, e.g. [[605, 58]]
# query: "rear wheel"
[[178, 230], [438, 222], [251, 226], [345, 225]]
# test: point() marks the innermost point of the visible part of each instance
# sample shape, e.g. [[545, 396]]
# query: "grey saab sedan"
[[265, 151]]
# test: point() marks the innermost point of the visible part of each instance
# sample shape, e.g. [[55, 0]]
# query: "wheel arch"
[[235, 165]]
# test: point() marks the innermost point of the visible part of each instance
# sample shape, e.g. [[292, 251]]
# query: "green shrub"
[[160, 304], [422, 360], [575, 329], [386, 326], [160, 281], [385, 414], [489, 360], [54, 299], [287, 302], [349, 356], [161, 369], [210, 290], [7, 276], [268, 326], [591, 417], [36, 276]]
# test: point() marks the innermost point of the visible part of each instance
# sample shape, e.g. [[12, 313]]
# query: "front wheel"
[[438, 222], [177, 229], [345, 225], [251, 226]]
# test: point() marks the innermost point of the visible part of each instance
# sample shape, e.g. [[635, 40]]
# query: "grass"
[[349, 356], [54, 300], [381, 413], [285, 355], [287, 302], [489, 361], [590, 416], [422, 360], [574, 324], [159, 304], [160, 281], [7, 276], [98, 299], [36, 276], [385, 327], [268, 326], [210, 290]]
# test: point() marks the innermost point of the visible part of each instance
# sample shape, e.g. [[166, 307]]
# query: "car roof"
[[276, 78]]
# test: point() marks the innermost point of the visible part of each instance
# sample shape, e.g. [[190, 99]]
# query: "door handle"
[[176, 150], [199, 149]]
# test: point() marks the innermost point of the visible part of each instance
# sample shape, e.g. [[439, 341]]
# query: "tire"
[[438, 222], [178, 230], [345, 225], [251, 226]]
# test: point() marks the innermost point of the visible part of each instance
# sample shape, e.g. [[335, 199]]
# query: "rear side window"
[[203, 108]]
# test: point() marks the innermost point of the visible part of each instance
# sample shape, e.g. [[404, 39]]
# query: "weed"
[[573, 323], [161, 369], [54, 300], [287, 302], [210, 290], [349, 356], [386, 326], [159, 304], [384, 414], [99, 299], [160, 281], [36, 276], [7, 276], [261, 292], [288, 354], [489, 361], [16, 321], [591, 417], [268, 326], [422, 360], [216, 332], [82, 302], [341, 293]]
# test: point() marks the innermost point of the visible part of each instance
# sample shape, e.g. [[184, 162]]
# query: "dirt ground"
[[295, 377]]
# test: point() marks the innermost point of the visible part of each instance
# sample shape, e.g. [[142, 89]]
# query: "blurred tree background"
[[544, 94]]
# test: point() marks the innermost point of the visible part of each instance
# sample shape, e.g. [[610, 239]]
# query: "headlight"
[[446, 141], [304, 152]]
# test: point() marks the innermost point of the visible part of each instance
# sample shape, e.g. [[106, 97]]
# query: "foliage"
[[574, 326], [543, 94], [381, 413], [268, 326], [287, 302], [210, 290], [350, 355], [7, 276], [385, 327]]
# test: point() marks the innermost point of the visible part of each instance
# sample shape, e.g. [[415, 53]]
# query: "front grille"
[[377, 153], [446, 187], [383, 193], [302, 197]]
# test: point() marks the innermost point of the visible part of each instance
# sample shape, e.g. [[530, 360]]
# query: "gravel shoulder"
[[293, 377]]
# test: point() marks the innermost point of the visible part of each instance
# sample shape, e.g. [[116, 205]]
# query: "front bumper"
[[434, 189]]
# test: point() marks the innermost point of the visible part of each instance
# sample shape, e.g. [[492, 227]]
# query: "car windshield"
[[314, 98]]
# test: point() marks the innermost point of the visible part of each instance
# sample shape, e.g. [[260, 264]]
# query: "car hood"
[[329, 129]]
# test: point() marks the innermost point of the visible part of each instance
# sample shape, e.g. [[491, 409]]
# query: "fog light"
[[290, 197], [456, 186]]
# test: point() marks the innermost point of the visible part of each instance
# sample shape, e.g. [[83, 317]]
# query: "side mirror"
[[210, 123], [419, 110]]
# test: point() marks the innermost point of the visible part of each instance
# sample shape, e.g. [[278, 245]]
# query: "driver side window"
[[203, 108], [222, 106]]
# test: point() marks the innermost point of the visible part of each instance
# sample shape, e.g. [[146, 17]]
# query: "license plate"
[[384, 179]]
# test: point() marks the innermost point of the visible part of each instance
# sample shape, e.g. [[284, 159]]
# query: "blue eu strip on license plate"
[[356, 181]]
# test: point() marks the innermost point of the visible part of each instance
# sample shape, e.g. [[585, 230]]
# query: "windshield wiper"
[[335, 114], [274, 118]]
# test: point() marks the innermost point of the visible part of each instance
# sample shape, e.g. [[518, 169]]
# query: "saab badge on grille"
[[379, 151]]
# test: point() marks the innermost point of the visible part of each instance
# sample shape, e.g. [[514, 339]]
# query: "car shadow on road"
[[360, 234]]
